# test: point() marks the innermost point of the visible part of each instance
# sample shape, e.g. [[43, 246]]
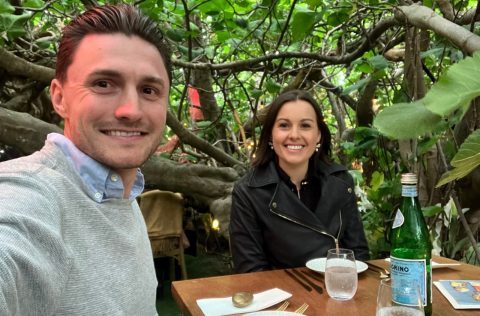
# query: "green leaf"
[[425, 145], [377, 180], [364, 67], [33, 4], [212, 7], [456, 88], [378, 62], [222, 36], [177, 35], [243, 23], [337, 18], [356, 86], [204, 124], [5, 7], [210, 52], [431, 210], [466, 159], [314, 3], [13, 25], [379, 74], [256, 93], [273, 86], [406, 120], [302, 24]]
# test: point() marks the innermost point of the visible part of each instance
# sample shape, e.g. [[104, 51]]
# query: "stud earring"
[[317, 147], [271, 145]]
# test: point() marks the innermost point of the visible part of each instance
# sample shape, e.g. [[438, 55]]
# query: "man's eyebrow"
[[104, 73], [116, 74], [154, 80]]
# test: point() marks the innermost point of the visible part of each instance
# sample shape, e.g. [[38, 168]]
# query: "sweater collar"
[[101, 182]]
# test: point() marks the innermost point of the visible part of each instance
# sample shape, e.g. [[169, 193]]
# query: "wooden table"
[[186, 292]]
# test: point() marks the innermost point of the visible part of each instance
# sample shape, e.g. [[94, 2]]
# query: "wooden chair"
[[163, 213]]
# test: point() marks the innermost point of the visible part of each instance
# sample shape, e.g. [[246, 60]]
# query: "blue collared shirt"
[[102, 183]]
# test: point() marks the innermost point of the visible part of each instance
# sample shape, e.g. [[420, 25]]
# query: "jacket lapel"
[[286, 203]]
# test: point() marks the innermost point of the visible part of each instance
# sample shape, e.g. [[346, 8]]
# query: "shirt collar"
[[102, 183], [311, 174]]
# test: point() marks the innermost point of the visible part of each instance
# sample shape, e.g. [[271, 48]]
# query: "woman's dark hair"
[[264, 154], [109, 19]]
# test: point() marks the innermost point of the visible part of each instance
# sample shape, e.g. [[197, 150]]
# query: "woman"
[[294, 204]]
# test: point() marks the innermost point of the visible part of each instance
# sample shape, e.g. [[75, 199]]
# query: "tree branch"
[[423, 17], [20, 67], [188, 137]]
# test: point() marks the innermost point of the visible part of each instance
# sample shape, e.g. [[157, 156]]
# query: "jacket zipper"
[[313, 228]]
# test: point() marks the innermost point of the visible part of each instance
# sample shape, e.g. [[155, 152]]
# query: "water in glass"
[[341, 277]]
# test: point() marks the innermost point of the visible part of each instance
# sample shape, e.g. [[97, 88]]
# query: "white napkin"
[[224, 305]]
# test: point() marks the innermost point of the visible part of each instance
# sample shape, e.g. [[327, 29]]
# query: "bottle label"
[[409, 190], [407, 274], [399, 219]]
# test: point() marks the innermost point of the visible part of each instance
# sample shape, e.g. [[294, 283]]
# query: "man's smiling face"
[[114, 100]]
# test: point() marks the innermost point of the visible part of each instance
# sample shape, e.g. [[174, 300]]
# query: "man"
[[72, 237]]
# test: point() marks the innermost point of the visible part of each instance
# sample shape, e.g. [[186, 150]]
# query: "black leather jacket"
[[270, 227]]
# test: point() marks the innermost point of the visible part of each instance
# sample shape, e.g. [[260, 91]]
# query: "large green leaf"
[[406, 120], [466, 159], [455, 89], [302, 24], [13, 24], [5, 7], [459, 85]]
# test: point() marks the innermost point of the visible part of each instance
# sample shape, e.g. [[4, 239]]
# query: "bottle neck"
[[409, 190]]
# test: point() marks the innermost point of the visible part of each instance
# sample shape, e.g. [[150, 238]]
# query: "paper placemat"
[[462, 294]]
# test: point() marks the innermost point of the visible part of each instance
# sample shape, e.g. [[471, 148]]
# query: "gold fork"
[[302, 308], [283, 306]]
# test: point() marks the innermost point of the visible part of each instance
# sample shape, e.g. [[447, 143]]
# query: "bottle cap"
[[409, 178]]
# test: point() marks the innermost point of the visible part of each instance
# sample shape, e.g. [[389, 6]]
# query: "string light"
[[215, 224]]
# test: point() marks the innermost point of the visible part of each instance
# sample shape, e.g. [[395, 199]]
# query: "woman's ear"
[[56, 94]]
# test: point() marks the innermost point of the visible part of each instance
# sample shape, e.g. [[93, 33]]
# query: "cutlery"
[[302, 308], [306, 286], [314, 276], [317, 288], [384, 273], [283, 306]]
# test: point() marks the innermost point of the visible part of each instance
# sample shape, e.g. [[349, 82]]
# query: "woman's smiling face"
[[295, 134]]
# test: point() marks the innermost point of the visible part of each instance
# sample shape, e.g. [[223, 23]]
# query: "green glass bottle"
[[411, 248]]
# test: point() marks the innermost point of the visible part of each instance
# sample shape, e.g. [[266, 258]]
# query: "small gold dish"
[[242, 299]]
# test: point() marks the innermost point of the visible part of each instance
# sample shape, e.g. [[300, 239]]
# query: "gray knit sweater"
[[62, 253]]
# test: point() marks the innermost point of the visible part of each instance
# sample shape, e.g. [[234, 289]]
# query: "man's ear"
[[56, 94]]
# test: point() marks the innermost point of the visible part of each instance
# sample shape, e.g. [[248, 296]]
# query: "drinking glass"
[[341, 277], [386, 306]]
